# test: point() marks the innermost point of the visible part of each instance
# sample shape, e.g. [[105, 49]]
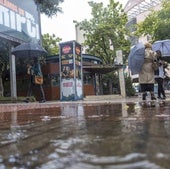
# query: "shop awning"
[[102, 69]]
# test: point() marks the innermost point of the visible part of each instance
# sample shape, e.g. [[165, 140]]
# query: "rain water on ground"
[[89, 136]]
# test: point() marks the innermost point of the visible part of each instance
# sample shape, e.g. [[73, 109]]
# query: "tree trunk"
[[110, 87]]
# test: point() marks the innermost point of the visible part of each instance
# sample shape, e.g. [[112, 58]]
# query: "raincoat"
[[146, 75]]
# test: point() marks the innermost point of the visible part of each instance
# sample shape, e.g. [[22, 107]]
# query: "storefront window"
[[54, 79], [88, 78]]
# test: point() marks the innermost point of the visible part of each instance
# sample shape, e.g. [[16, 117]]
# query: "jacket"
[[160, 72]]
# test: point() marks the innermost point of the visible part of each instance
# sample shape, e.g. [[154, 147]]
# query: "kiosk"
[[71, 80]]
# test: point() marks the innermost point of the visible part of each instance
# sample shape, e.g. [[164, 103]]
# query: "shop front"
[[92, 70], [19, 23]]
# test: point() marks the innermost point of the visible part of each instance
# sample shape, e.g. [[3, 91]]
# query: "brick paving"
[[9, 107]]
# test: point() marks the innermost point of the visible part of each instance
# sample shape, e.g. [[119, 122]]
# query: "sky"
[[62, 25]]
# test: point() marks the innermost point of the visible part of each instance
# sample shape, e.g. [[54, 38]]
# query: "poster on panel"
[[78, 71], [67, 85]]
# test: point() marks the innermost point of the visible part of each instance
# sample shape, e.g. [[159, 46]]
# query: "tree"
[[105, 33], [49, 7], [50, 43], [130, 91], [159, 24]]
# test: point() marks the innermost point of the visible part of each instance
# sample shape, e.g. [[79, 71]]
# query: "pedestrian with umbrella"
[[160, 75], [34, 70], [146, 74], [35, 51]]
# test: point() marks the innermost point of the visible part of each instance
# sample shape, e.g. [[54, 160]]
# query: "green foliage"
[[105, 33], [156, 24], [4, 58], [50, 43], [111, 83], [49, 7], [130, 91], [113, 77]]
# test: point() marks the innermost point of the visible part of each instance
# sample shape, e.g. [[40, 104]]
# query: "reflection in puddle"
[[111, 136]]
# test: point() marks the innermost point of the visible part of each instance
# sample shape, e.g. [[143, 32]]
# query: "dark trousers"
[[147, 88], [161, 90], [32, 87]]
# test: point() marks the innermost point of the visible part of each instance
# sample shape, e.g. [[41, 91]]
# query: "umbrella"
[[163, 46], [29, 50], [136, 58]]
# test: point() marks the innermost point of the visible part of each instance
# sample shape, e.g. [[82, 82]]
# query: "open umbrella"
[[136, 58], [163, 46], [29, 50]]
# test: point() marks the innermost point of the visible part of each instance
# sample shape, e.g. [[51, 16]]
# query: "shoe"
[[159, 97], [143, 96], [26, 100], [153, 98], [163, 98], [152, 104], [42, 101]]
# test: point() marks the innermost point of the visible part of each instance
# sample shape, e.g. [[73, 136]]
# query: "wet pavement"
[[102, 134]]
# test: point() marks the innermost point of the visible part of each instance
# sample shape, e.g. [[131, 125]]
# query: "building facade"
[[93, 69], [137, 11], [19, 22]]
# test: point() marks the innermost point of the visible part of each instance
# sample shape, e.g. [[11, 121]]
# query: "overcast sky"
[[62, 25]]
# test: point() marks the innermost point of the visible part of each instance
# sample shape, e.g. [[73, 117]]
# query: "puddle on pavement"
[[104, 136]]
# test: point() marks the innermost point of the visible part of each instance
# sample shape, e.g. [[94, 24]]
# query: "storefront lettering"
[[18, 21], [9, 5]]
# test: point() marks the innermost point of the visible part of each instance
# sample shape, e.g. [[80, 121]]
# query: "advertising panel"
[[19, 20], [78, 70], [70, 71]]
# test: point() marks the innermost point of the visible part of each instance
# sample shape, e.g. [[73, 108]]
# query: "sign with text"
[[70, 71], [19, 20]]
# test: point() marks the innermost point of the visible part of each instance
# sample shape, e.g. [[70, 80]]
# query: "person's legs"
[[150, 88], [29, 92], [159, 87], [42, 95], [143, 90], [162, 91]]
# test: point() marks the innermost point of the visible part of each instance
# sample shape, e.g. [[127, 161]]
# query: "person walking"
[[146, 75], [34, 69], [160, 75]]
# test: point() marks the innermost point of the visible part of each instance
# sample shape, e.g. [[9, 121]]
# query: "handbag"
[[38, 79], [155, 65]]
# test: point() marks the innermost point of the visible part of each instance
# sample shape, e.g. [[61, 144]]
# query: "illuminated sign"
[[19, 19]]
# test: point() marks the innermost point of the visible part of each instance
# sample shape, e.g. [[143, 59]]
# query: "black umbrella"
[[29, 50]]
